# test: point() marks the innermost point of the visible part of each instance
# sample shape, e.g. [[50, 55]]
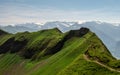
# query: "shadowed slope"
[[2, 32]]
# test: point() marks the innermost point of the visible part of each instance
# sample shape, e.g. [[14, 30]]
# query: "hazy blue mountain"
[[30, 25], [21, 28]]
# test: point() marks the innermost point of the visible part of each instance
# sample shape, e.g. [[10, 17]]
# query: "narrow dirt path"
[[109, 68]]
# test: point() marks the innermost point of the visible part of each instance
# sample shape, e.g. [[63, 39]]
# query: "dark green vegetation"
[[51, 52], [3, 32]]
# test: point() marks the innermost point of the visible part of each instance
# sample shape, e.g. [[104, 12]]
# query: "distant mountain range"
[[31, 27], [108, 33]]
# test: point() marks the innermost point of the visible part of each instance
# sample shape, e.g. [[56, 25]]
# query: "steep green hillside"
[[4, 36], [51, 52]]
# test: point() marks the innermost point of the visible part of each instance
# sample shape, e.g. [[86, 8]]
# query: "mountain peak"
[[57, 29], [51, 30], [82, 31]]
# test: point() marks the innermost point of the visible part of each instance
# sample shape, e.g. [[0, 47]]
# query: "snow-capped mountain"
[[63, 26]]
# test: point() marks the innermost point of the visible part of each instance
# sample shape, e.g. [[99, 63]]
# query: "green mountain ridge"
[[51, 52]]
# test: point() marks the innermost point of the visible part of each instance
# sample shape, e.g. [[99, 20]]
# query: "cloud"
[[12, 13]]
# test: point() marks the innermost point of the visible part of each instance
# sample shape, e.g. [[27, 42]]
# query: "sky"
[[39, 11]]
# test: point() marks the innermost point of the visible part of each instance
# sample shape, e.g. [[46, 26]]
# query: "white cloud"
[[21, 13]]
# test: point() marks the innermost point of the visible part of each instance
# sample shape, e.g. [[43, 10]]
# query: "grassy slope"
[[68, 61], [70, 51], [80, 66], [60, 63], [38, 42], [4, 38], [7, 61]]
